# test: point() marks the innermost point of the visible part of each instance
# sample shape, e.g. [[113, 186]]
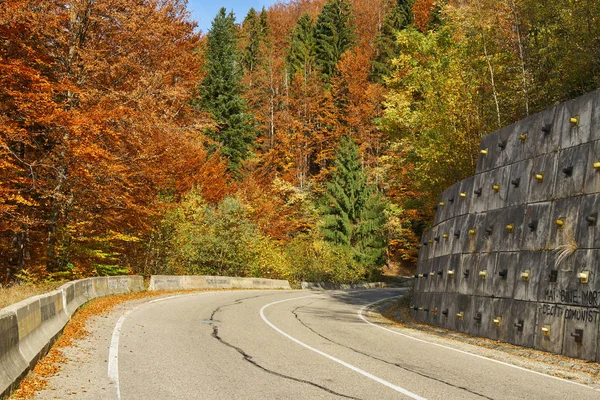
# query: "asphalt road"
[[288, 345]]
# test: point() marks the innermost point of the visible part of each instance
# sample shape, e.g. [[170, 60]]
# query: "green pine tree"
[[255, 31], [386, 48], [352, 210], [301, 55], [334, 34], [221, 91]]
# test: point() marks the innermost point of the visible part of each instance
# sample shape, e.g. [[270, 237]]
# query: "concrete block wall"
[[514, 253], [30, 327]]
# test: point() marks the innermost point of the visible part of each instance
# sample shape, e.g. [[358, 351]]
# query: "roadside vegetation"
[[306, 141]]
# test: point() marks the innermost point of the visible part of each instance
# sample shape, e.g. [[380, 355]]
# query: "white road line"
[[360, 314], [113, 351], [345, 364]]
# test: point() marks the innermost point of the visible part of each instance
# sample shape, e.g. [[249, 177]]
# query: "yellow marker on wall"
[[545, 330], [510, 227], [560, 223], [460, 315], [584, 276], [496, 188], [574, 120], [525, 275], [463, 195], [484, 152], [523, 137], [497, 320], [539, 177]]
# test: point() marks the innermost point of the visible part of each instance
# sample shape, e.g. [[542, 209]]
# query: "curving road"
[[290, 345]]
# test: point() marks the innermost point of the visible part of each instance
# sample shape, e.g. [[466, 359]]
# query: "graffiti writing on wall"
[[569, 313], [573, 296]]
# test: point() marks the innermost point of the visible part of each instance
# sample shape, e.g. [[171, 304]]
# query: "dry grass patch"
[[15, 293]]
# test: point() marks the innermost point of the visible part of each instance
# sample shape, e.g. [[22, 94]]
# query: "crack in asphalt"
[[249, 358], [381, 359]]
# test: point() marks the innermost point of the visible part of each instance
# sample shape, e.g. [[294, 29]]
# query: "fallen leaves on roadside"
[[50, 364]]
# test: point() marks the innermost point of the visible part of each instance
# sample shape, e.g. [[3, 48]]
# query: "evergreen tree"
[[385, 43], [301, 56], [221, 91], [255, 31], [334, 34], [352, 210]]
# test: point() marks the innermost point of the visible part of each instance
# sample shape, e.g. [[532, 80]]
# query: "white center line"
[[360, 314], [337, 360]]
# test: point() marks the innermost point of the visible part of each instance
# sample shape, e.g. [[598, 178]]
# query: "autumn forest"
[[306, 141]]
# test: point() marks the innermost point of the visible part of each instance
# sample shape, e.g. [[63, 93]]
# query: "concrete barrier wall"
[[28, 328], [514, 252], [173, 282]]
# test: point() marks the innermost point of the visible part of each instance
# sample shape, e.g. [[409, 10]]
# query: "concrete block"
[[592, 173], [429, 279], [518, 183], [545, 134], [520, 140], [504, 276], [509, 146], [580, 338], [444, 245], [451, 201], [488, 235], [588, 223], [550, 327], [448, 304], [460, 234], [437, 281], [465, 196], [542, 178], [511, 229], [565, 219], [474, 228], [426, 247], [536, 226], [463, 306], [595, 123], [13, 364], [452, 279], [468, 275], [489, 146], [570, 171], [440, 212], [581, 108], [479, 316], [480, 192], [569, 288], [522, 327], [532, 265], [483, 278], [497, 188]]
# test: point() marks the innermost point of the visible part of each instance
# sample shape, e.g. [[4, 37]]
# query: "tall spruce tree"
[[221, 91], [334, 34], [301, 55], [352, 210], [255, 31], [386, 48]]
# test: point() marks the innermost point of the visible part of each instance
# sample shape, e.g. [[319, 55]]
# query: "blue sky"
[[203, 11]]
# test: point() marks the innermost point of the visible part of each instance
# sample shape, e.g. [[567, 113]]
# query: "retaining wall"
[[30, 327], [514, 252]]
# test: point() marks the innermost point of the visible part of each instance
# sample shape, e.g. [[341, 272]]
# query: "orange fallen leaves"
[[50, 364]]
